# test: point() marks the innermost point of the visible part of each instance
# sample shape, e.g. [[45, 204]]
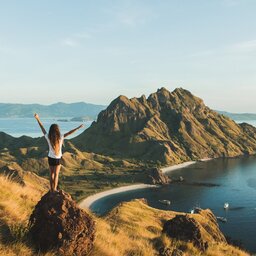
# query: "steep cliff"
[[169, 127]]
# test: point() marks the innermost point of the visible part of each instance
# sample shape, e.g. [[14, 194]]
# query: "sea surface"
[[17, 127], [235, 183]]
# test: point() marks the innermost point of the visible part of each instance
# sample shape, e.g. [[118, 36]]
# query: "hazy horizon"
[[93, 52]]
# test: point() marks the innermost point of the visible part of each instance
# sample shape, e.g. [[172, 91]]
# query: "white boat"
[[195, 210], [167, 202], [226, 206]]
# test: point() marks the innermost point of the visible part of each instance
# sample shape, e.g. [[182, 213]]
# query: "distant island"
[[78, 110], [239, 116]]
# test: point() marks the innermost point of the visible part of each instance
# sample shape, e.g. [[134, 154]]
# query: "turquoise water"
[[29, 127], [235, 181]]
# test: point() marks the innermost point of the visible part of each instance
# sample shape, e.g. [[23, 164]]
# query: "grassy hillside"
[[167, 127], [82, 173], [16, 204], [140, 227], [134, 222]]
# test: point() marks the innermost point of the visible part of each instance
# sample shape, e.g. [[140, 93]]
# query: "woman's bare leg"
[[52, 168], [56, 176]]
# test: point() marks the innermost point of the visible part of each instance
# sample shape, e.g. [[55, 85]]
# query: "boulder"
[[157, 177], [58, 223], [201, 229]]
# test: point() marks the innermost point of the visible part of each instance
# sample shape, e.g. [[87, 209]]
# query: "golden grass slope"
[[16, 204], [132, 228]]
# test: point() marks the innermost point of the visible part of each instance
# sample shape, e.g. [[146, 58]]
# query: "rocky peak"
[[169, 127], [123, 100], [58, 223], [155, 176], [201, 229]]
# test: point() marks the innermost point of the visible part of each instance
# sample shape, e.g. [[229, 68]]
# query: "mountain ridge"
[[59, 109], [170, 127]]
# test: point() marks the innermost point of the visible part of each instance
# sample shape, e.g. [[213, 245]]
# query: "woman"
[[55, 141]]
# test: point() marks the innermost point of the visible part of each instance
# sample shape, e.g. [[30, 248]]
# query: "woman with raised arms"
[[55, 141]]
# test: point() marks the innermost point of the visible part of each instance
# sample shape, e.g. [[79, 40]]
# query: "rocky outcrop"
[[58, 223], [201, 229], [155, 176], [166, 127]]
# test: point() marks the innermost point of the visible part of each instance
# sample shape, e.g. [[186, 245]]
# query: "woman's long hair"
[[54, 137]]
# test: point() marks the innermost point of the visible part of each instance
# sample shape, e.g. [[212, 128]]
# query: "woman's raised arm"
[[72, 131], [40, 123]]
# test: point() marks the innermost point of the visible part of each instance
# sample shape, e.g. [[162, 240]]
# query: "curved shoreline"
[[88, 201], [177, 166]]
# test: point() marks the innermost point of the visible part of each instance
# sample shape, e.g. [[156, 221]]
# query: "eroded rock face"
[[58, 223], [201, 229], [157, 177], [170, 127]]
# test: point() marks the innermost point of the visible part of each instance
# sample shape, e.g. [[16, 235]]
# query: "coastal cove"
[[234, 181]]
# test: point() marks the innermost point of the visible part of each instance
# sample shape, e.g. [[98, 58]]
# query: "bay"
[[235, 181]]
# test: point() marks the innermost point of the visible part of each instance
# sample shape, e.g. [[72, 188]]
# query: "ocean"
[[17, 127], [235, 183]]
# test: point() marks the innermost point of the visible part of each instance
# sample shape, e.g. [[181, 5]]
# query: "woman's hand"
[[80, 126], [40, 123], [36, 116]]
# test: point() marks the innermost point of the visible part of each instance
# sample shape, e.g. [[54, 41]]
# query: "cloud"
[[7, 50], [231, 2], [129, 13], [239, 48], [245, 46], [130, 18], [83, 35], [75, 39], [69, 42]]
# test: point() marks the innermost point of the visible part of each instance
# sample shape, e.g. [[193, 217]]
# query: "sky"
[[93, 51]]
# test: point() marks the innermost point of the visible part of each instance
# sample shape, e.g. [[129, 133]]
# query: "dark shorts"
[[53, 161]]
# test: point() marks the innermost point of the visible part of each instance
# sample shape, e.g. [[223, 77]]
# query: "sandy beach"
[[177, 166], [87, 202]]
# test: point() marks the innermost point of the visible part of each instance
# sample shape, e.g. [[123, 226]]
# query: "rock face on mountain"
[[58, 223], [156, 177], [202, 229], [169, 127]]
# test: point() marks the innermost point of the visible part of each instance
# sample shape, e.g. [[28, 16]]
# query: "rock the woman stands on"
[[55, 141]]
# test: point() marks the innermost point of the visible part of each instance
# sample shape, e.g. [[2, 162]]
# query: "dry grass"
[[16, 204], [134, 228], [131, 229]]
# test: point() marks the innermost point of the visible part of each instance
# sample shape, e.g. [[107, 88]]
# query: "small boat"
[[181, 179], [222, 219], [195, 210], [167, 202], [226, 206]]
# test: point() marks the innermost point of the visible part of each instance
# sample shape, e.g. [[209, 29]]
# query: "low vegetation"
[[132, 228]]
